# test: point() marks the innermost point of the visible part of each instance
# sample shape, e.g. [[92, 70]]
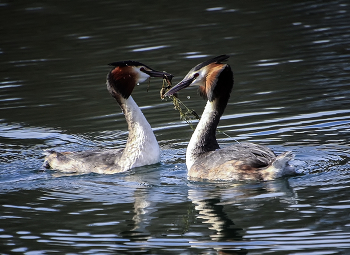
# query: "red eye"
[[142, 69], [195, 75]]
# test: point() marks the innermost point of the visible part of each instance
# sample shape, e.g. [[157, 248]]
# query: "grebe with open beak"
[[204, 158], [141, 147]]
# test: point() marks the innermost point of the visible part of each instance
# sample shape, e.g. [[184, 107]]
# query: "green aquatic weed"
[[186, 114]]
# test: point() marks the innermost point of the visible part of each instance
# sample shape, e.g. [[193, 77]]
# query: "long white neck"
[[142, 147], [204, 138]]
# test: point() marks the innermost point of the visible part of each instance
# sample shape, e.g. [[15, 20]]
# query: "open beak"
[[181, 85], [154, 73]]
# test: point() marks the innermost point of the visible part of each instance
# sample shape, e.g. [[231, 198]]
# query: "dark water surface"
[[291, 61]]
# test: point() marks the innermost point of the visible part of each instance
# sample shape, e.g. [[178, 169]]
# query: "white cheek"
[[196, 82], [142, 76], [200, 80]]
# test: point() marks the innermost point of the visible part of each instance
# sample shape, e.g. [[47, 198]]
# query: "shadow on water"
[[290, 60]]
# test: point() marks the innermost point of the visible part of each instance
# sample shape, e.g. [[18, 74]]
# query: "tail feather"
[[280, 167], [283, 159], [51, 157], [48, 152], [48, 155]]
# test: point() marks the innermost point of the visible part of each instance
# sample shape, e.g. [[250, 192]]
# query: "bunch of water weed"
[[186, 114]]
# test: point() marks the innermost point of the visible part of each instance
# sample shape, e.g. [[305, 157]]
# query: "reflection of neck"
[[212, 212], [142, 146], [142, 210]]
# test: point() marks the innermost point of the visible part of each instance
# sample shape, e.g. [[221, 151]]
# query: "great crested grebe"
[[141, 147], [204, 158]]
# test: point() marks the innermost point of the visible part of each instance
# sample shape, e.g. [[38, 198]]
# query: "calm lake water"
[[292, 92]]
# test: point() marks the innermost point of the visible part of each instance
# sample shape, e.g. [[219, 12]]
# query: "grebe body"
[[141, 147], [204, 158]]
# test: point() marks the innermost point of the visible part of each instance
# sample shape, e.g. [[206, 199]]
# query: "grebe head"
[[205, 75], [126, 74]]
